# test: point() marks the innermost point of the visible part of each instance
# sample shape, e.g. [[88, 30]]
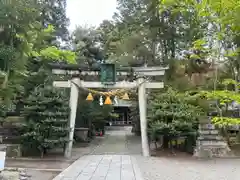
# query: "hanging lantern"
[[89, 97], [125, 96], [108, 100]]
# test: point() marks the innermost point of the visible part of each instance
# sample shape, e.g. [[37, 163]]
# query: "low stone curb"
[[38, 159], [230, 157], [35, 169]]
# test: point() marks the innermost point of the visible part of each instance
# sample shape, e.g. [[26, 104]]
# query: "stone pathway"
[[121, 142], [102, 167], [111, 160]]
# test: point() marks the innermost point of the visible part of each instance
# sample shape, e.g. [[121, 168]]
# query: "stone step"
[[210, 152], [207, 129], [118, 128], [205, 132], [210, 137], [207, 126], [212, 143]]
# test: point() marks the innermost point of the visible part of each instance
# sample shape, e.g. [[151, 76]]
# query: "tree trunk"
[[166, 140]]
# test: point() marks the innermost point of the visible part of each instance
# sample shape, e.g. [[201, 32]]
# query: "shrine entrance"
[[122, 117], [110, 78]]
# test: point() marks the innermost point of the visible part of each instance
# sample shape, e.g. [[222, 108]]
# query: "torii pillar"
[[142, 101]]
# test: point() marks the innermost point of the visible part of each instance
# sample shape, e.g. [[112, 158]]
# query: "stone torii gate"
[[141, 83]]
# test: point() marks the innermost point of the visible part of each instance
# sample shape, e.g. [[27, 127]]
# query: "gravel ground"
[[9, 175], [156, 168], [32, 175], [41, 175]]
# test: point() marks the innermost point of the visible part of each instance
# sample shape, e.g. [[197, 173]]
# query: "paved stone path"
[[118, 157], [102, 167], [121, 142], [111, 160]]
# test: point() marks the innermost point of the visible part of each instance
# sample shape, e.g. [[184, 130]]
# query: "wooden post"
[[73, 110], [143, 116]]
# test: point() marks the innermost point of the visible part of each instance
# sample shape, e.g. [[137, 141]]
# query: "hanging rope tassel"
[[89, 97], [101, 101], [125, 96], [116, 100], [108, 101]]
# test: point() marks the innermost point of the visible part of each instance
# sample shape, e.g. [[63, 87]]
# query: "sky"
[[89, 12]]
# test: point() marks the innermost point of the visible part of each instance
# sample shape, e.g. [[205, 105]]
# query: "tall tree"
[[16, 17], [88, 46], [142, 34], [54, 13], [219, 25], [23, 36]]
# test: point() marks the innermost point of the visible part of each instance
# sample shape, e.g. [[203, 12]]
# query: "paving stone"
[[109, 161], [118, 158], [98, 178], [113, 176], [104, 169], [82, 178]]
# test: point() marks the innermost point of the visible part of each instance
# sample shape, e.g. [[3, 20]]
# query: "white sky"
[[89, 12]]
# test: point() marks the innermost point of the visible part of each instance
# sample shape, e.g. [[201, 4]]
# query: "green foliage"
[[52, 54], [15, 17], [227, 82], [140, 34], [219, 24], [37, 73], [54, 12], [2, 111], [225, 121], [223, 97], [217, 11], [46, 115], [88, 46], [173, 114], [26, 31], [36, 44]]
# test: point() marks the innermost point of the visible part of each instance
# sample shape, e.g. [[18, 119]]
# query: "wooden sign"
[[108, 74]]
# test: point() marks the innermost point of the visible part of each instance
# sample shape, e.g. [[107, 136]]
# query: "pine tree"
[[173, 115], [46, 114]]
